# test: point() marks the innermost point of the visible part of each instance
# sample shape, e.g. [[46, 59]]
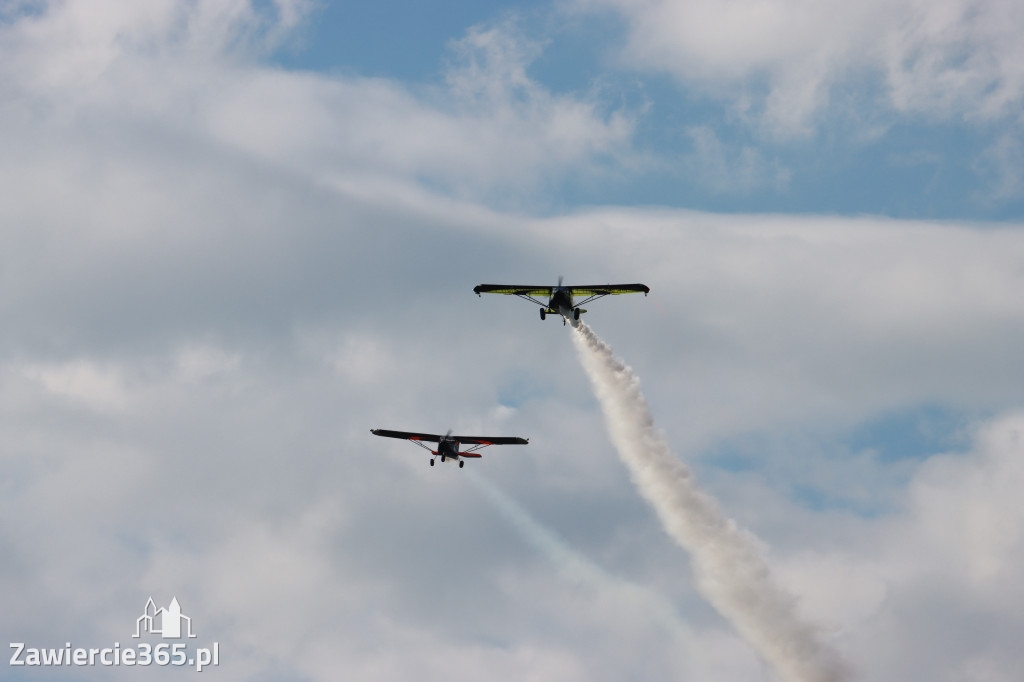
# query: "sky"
[[237, 235]]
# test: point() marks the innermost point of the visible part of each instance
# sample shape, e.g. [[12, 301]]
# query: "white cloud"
[[84, 382], [784, 60], [965, 513], [724, 170], [1001, 165], [954, 551], [490, 127], [188, 69], [196, 363]]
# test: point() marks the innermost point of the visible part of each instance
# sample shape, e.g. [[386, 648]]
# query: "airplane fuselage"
[[448, 449], [561, 302]]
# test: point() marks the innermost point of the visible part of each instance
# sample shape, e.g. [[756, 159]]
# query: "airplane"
[[560, 298], [448, 445]]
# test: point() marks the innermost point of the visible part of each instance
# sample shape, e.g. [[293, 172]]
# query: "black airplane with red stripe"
[[448, 445]]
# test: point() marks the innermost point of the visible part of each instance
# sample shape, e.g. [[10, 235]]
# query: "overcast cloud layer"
[[219, 273]]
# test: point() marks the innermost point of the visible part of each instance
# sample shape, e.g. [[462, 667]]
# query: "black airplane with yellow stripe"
[[448, 445], [561, 298]]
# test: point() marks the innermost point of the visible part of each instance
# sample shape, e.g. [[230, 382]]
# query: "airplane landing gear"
[[462, 464], [575, 313], [543, 314], [431, 462]]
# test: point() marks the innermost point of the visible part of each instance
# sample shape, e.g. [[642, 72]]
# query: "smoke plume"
[[577, 567], [730, 572]]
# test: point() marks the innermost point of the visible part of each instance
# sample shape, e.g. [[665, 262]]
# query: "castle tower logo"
[[164, 622]]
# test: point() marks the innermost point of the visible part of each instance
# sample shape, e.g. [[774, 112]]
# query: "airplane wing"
[[466, 440], [609, 289], [491, 440], [407, 435], [512, 289]]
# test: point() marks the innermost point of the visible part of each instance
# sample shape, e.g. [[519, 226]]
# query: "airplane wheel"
[[462, 464], [431, 462], [442, 459], [575, 313], [543, 314]]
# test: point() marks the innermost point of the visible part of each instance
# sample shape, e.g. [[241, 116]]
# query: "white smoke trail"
[[730, 572], [577, 567]]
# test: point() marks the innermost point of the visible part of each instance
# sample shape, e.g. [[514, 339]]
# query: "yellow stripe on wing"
[[513, 290]]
